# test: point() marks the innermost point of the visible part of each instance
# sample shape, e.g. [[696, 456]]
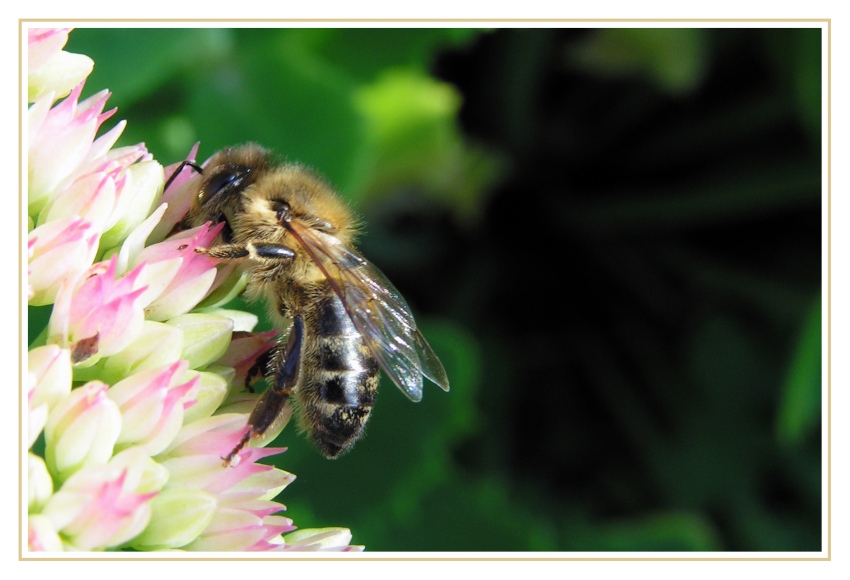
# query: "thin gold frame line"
[[440, 20], [828, 91]]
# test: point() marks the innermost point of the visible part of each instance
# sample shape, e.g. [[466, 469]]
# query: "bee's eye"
[[228, 179], [222, 180]]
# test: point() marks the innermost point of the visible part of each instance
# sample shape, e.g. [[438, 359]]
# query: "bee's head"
[[294, 193], [244, 188], [225, 177]]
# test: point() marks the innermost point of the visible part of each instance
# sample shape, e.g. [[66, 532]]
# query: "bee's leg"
[[258, 370], [251, 251], [274, 403]]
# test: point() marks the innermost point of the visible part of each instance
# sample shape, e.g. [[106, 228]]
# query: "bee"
[[295, 238]]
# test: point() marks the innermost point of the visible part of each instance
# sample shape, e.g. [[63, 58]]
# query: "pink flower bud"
[[205, 337], [135, 242], [325, 539], [90, 196], [81, 430], [60, 252], [36, 420], [49, 68], [209, 392], [43, 43], [50, 374], [240, 530], [40, 484], [42, 535], [138, 194], [59, 141], [158, 344], [151, 404], [100, 316], [195, 277], [49, 383], [99, 508], [178, 196], [178, 517]]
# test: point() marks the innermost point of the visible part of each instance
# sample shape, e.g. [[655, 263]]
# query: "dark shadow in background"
[[645, 284]]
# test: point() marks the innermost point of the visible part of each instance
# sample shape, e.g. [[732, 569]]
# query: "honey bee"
[[346, 320]]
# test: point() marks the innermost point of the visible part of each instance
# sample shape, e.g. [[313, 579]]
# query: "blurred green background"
[[611, 237]]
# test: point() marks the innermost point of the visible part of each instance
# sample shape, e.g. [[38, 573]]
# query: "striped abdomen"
[[340, 378]]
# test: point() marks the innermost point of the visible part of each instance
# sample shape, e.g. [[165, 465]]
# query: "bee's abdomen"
[[344, 373], [343, 381]]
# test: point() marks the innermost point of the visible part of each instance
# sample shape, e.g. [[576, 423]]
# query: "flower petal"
[[178, 517], [82, 430]]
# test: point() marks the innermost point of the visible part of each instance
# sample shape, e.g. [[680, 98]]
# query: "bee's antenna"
[[180, 168]]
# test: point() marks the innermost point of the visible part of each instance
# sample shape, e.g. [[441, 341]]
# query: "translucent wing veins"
[[378, 311]]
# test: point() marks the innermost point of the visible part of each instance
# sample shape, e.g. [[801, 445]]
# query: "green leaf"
[[661, 532], [808, 86], [411, 130], [270, 93], [800, 405], [464, 514], [673, 58], [797, 61], [364, 53], [133, 63], [37, 319]]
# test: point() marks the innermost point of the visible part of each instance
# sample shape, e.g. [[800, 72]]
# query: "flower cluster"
[[134, 384]]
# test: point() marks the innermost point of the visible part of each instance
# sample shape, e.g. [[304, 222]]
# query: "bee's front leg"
[[252, 251]]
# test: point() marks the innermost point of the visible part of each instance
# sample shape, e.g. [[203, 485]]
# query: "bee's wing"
[[378, 311]]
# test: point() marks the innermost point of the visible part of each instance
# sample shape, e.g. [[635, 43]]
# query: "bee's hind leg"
[[274, 407]]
